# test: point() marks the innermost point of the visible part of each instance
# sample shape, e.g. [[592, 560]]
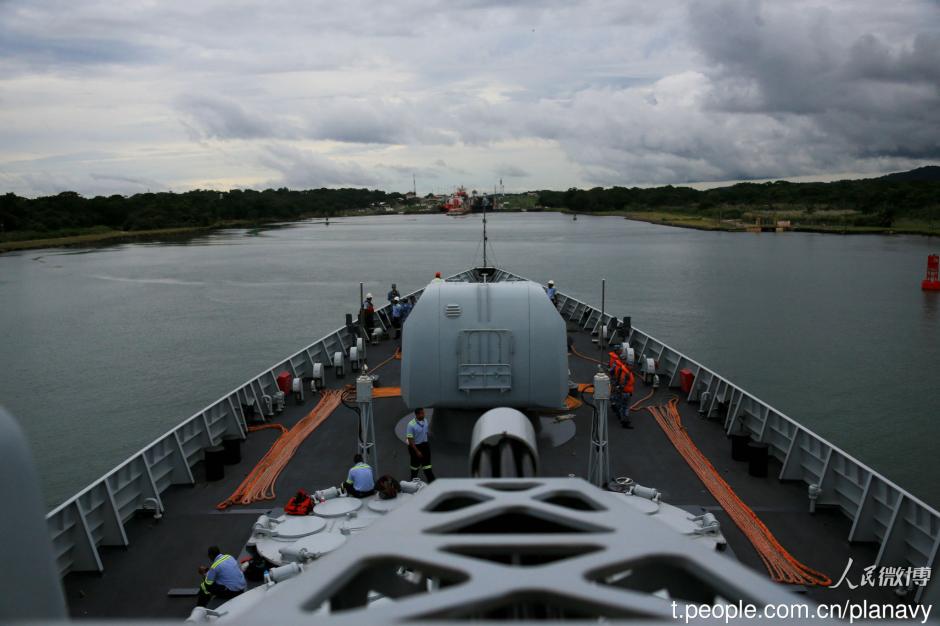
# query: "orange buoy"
[[932, 281]]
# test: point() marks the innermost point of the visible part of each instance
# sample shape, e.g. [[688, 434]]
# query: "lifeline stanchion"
[[599, 460], [366, 422]]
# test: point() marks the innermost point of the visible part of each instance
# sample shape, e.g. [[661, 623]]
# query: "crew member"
[[552, 292], [360, 482], [368, 314], [397, 316], [419, 451], [393, 293], [300, 504], [223, 578], [406, 306], [623, 394], [387, 487]]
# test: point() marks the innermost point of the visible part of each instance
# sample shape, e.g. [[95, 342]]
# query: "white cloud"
[[553, 94], [304, 169]]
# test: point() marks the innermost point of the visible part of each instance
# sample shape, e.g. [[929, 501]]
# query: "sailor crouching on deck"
[[419, 451], [223, 578], [360, 482]]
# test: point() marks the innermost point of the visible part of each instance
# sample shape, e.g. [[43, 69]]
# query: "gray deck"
[[165, 554]]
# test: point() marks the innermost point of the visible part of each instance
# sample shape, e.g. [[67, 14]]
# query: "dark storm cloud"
[[868, 95], [873, 59]]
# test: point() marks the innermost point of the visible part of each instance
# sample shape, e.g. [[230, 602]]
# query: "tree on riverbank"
[[69, 211], [877, 202], [904, 199]]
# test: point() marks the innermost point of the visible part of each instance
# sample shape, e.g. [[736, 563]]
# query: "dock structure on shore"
[[779, 227]]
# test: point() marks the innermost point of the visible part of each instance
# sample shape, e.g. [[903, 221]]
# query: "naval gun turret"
[[492, 349], [484, 345]]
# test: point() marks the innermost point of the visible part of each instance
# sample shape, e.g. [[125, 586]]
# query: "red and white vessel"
[[458, 203]]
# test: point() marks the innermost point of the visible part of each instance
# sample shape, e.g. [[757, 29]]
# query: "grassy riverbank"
[[96, 235], [18, 240], [91, 236], [700, 222], [906, 202]]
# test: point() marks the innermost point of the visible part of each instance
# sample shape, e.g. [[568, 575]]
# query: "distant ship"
[[458, 203]]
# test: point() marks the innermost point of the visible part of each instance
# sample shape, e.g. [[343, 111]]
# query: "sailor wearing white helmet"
[[368, 314], [552, 292], [397, 316]]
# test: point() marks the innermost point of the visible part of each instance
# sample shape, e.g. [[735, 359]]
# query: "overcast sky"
[[120, 97]]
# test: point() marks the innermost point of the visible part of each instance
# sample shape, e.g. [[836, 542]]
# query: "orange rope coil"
[[782, 566], [259, 484]]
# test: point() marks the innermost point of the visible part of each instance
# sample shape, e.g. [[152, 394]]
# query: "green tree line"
[[873, 202], [146, 211]]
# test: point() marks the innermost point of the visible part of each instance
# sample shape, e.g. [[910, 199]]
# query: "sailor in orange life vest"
[[223, 579], [300, 504], [622, 382]]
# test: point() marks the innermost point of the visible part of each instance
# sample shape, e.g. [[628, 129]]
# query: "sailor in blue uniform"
[[552, 292], [406, 306], [419, 451], [397, 317], [223, 578], [360, 482]]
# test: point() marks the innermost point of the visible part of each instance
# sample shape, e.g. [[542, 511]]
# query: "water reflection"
[[931, 300]]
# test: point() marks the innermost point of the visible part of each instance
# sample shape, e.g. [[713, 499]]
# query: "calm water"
[[104, 349]]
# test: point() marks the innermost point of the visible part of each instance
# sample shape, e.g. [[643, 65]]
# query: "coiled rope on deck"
[[259, 484], [782, 566]]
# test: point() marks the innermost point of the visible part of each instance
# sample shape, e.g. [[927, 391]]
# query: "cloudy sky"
[[108, 97]]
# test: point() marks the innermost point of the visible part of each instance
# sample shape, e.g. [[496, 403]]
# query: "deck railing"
[[96, 516], [906, 529]]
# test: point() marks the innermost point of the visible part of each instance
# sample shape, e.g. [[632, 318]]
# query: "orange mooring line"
[[575, 352], [782, 566], [395, 356], [259, 484], [386, 392]]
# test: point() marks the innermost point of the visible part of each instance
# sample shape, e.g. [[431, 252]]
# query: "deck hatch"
[[484, 360]]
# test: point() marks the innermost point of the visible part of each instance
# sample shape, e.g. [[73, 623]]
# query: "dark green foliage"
[[147, 211], [929, 173], [880, 201]]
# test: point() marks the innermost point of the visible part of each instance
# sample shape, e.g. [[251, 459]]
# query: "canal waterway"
[[103, 349]]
